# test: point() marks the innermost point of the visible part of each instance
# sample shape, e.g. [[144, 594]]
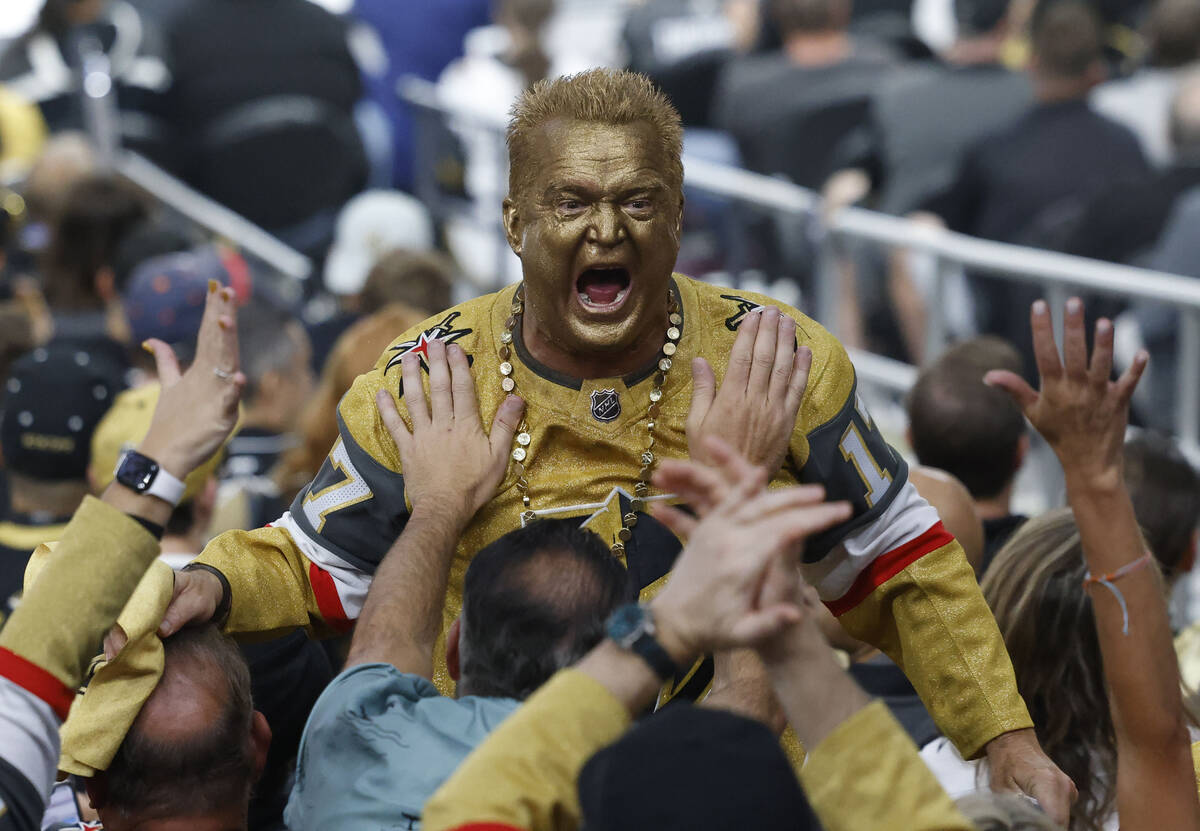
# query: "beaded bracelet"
[[1107, 580]]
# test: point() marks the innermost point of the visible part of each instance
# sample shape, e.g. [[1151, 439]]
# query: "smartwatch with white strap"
[[142, 474]]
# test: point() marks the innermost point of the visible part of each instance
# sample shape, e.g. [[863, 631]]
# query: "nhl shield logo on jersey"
[[606, 406]]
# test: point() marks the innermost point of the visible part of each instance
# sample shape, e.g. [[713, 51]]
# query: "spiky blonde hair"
[[601, 96]]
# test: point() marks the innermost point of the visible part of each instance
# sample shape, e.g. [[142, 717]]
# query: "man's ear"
[[106, 284], [452, 637], [260, 741], [1022, 452], [1188, 561], [512, 225]]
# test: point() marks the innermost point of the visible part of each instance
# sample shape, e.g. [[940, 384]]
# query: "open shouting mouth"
[[603, 288]]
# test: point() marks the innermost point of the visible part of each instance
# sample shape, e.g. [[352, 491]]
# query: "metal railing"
[[102, 122], [1059, 274], [210, 215]]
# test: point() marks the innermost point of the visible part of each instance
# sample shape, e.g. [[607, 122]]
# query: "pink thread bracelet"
[[1108, 580]]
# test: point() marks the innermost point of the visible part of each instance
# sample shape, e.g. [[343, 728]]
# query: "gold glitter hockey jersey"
[[892, 573]]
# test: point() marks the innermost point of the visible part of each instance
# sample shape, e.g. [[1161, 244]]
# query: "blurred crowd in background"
[[1066, 126], [1069, 125]]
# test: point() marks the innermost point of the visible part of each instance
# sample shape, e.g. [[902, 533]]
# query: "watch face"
[[625, 622], [136, 471]]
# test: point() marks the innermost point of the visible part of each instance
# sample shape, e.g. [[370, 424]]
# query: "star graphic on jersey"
[[421, 347], [442, 331]]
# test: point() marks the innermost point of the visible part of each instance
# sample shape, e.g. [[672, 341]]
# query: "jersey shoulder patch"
[[464, 324], [720, 312]]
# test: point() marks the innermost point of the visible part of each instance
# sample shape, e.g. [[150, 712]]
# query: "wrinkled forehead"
[[567, 151]]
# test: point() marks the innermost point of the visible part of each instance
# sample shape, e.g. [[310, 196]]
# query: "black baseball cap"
[[54, 398], [694, 769]]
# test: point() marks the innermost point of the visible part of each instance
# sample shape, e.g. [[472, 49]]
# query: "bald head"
[[1185, 118], [191, 752]]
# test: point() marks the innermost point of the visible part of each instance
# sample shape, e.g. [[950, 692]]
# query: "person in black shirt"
[[974, 432], [924, 117], [55, 397], [1124, 221], [790, 109], [263, 105], [1024, 183]]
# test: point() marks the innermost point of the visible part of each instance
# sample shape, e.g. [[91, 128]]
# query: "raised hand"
[[1080, 412], [198, 409], [196, 412], [755, 408], [449, 462], [704, 486], [718, 593]]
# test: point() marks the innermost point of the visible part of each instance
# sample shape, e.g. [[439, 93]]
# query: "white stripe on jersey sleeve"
[[351, 582], [908, 517], [29, 736]]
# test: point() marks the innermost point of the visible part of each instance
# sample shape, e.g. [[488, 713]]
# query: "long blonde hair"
[[1035, 590]]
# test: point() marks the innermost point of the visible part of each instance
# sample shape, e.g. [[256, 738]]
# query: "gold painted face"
[[597, 229]]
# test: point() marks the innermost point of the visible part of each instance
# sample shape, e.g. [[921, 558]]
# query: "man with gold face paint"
[[597, 340]]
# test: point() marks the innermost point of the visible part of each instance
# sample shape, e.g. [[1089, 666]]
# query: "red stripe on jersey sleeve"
[[328, 601], [35, 680], [888, 565]]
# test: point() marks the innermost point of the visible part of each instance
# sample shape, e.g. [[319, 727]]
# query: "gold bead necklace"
[[521, 451]]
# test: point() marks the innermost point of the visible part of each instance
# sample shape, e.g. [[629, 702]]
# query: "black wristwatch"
[[632, 627]]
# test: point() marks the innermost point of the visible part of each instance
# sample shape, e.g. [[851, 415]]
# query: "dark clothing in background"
[[250, 455], [925, 118], [20, 534], [683, 49], [1054, 153], [287, 676], [1024, 184], [44, 68], [792, 119], [995, 534], [881, 678], [1125, 220], [264, 104]]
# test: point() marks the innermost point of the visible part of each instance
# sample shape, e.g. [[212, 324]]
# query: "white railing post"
[[207, 213], [827, 284], [1187, 402], [99, 102], [935, 317]]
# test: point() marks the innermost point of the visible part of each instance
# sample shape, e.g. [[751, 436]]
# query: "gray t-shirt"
[[377, 745], [926, 117]]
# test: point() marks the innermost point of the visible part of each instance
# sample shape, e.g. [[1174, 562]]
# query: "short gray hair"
[[1005, 812]]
